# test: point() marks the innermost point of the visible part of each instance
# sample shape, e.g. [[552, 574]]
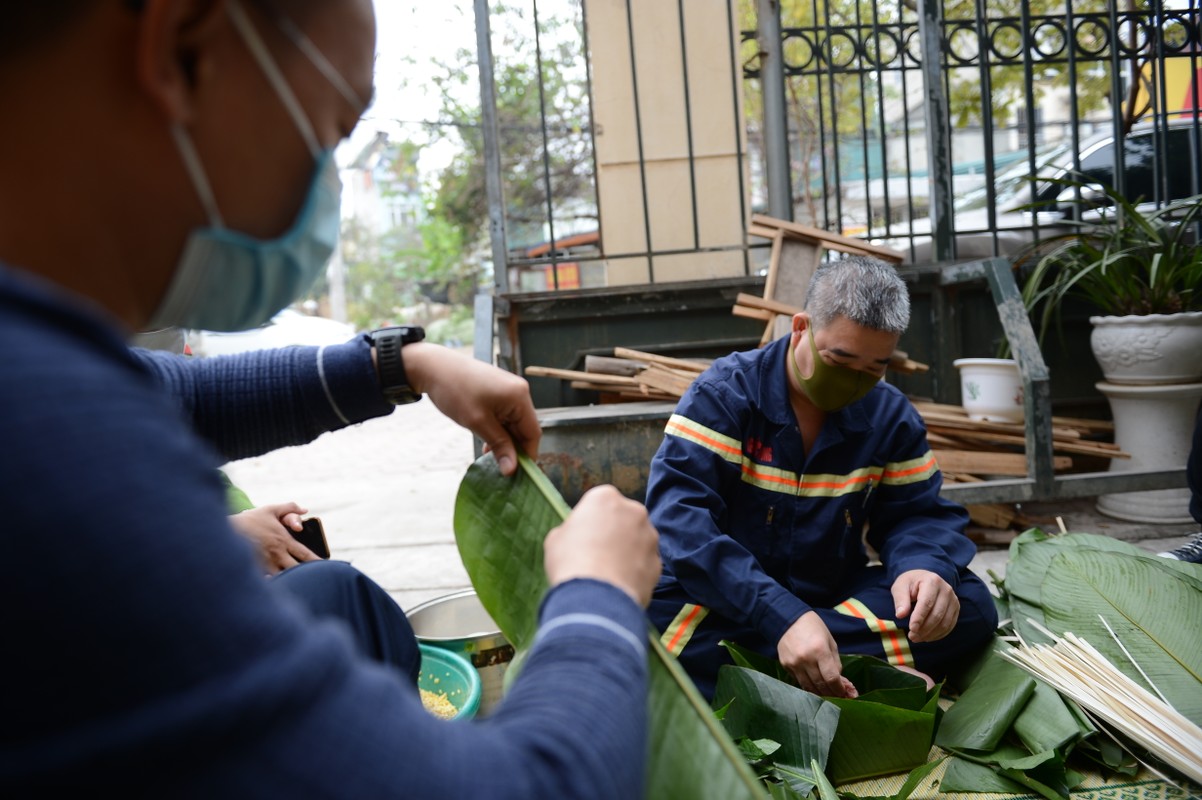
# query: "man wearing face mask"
[[169, 163], [772, 468]]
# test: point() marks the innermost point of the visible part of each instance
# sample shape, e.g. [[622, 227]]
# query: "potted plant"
[[1142, 270]]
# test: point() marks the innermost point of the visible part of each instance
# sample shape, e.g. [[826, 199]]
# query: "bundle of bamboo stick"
[[1073, 667], [630, 375]]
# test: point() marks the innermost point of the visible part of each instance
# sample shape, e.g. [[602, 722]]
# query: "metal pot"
[[458, 622]]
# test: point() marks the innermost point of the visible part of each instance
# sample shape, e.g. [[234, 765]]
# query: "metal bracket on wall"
[[1041, 482]]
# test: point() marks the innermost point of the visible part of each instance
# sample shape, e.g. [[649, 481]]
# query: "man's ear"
[[173, 46], [801, 321]]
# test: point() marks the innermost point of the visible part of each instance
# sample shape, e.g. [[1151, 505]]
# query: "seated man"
[[772, 468]]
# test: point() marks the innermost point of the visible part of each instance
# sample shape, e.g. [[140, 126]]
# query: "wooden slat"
[[762, 232], [613, 366], [601, 386], [963, 423], [667, 361], [1085, 448], [1098, 425], [577, 375], [907, 366], [751, 301], [752, 313], [976, 462], [832, 241], [657, 377], [992, 515]]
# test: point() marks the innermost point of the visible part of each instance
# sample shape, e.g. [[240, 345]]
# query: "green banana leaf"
[[500, 523], [962, 775], [758, 705], [888, 728], [1154, 612], [913, 781], [1031, 554], [1048, 722], [987, 708]]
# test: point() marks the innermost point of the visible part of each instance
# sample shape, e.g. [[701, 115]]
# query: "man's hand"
[[490, 402], [929, 602], [607, 538], [808, 651], [267, 528]]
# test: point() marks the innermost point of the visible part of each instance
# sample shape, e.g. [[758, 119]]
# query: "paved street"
[[386, 493]]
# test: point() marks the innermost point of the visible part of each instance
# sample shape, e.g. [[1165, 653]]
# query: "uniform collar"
[[774, 395]]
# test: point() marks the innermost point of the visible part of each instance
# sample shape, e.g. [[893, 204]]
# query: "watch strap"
[[391, 364]]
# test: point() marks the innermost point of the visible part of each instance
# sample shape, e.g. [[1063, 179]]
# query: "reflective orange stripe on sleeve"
[[677, 635], [893, 639], [725, 446], [916, 470]]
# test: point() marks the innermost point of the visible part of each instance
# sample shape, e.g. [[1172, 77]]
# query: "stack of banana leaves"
[[1010, 733], [765, 738]]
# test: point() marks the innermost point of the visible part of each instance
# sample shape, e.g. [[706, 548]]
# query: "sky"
[[410, 33]]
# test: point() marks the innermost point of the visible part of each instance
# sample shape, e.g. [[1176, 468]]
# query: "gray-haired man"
[[771, 470]]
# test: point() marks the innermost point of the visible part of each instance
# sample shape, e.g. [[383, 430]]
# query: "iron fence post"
[[776, 120], [939, 139]]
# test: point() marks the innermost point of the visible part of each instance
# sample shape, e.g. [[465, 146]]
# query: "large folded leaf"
[[987, 708], [1013, 770], [1155, 613], [500, 524], [888, 728], [760, 706], [1047, 721], [962, 775]]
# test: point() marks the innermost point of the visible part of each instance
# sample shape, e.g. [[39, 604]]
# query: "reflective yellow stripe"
[[897, 473], [900, 473], [682, 628], [820, 485], [730, 449], [893, 639]]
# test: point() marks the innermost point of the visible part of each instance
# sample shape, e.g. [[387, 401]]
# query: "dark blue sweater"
[[143, 650]]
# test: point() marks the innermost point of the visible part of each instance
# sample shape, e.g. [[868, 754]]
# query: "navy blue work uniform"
[[755, 531]]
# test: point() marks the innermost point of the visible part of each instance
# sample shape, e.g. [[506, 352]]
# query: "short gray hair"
[[867, 291]]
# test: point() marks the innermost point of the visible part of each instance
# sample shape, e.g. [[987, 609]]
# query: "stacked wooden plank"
[[970, 451], [629, 375]]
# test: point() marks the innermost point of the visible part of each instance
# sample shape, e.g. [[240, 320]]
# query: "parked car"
[[287, 328], [1014, 190]]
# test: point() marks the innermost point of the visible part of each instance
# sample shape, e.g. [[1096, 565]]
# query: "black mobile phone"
[[313, 536]]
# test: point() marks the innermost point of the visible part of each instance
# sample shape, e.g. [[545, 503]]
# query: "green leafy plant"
[[1123, 261]]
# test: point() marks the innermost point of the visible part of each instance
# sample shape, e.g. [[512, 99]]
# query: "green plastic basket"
[[449, 673]]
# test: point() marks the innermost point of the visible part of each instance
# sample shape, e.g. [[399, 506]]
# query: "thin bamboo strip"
[[1077, 670]]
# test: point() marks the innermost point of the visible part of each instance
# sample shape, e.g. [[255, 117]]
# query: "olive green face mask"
[[831, 386]]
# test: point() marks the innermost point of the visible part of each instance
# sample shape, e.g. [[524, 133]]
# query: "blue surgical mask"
[[229, 281]]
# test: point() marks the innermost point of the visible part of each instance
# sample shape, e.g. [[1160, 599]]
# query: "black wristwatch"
[[391, 366]]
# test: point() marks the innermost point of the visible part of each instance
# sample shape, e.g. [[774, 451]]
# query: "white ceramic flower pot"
[[991, 389], [1155, 424], [1149, 349]]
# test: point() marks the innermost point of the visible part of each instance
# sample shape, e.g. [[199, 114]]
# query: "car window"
[[1011, 185], [1182, 162]]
